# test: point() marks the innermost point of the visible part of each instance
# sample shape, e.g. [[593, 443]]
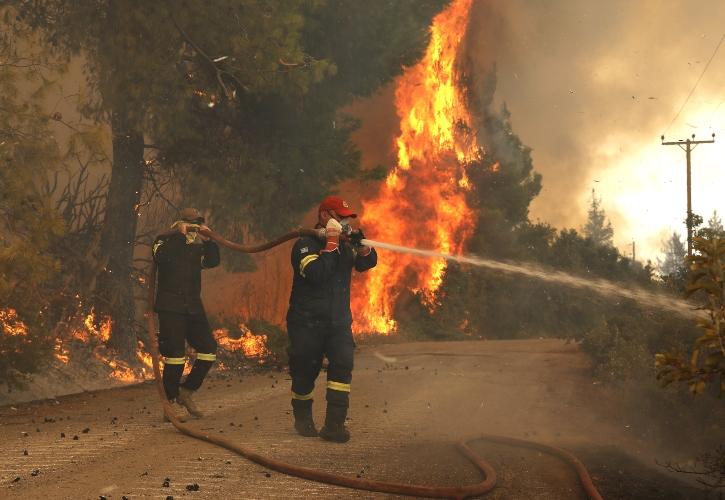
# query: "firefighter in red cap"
[[180, 256], [319, 321]]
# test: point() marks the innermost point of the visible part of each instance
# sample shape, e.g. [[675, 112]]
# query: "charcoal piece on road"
[[166, 483], [35, 472], [267, 474], [62, 434], [169, 497], [76, 438], [17, 479], [25, 452], [86, 430], [192, 487], [102, 497]]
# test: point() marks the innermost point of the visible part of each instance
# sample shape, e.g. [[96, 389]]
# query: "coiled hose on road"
[[478, 489]]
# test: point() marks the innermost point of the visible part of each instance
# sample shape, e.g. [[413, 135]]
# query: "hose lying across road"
[[481, 488]]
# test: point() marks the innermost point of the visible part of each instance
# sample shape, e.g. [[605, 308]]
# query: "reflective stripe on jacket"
[[179, 272], [321, 285]]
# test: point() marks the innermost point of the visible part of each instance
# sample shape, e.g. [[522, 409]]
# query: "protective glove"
[[356, 237], [204, 228], [189, 230], [332, 234]]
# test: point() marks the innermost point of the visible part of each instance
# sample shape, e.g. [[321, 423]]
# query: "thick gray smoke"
[[589, 83]]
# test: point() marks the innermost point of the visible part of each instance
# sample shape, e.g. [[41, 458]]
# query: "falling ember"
[[422, 203]]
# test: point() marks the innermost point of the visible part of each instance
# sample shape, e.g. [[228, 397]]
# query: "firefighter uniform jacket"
[[179, 272], [321, 285]]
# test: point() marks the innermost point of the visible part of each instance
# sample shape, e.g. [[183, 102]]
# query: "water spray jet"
[[599, 286]]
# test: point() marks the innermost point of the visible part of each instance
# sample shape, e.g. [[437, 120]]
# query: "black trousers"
[[175, 329], [310, 342]]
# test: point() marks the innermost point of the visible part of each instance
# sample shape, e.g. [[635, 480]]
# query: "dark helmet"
[[191, 215]]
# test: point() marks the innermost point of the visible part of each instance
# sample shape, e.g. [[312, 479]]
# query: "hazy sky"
[[592, 85]]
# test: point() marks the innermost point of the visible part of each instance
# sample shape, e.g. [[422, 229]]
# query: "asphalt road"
[[410, 402]]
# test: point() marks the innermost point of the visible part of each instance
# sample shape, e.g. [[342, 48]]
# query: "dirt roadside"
[[410, 401]]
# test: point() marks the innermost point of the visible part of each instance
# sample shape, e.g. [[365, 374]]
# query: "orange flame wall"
[[422, 202]]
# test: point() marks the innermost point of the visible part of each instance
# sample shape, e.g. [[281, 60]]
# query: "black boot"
[[304, 424], [334, 428]]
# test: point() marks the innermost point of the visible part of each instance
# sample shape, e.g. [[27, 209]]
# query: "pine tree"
[[598, 228], [714, 227], [674, 252]]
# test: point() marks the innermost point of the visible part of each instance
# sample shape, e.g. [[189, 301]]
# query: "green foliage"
[[148, 58], [240, 97], [369, 42], [706, 361], [282, 146]]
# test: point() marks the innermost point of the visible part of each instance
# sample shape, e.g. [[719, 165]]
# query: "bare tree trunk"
[[116, 285]]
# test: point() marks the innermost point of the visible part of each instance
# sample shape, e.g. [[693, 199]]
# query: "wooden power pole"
[[687, 146]]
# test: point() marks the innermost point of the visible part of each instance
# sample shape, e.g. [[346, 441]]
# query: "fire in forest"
[[422, 202], [10, 324], [85, 336], [89, 334], [250, 345]]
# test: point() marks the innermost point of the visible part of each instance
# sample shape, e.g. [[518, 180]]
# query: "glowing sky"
[[591, 87]]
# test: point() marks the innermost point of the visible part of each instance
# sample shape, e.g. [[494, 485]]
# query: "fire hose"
[[481, 488]]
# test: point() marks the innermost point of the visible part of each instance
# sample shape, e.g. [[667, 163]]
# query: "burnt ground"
[[410, 402]]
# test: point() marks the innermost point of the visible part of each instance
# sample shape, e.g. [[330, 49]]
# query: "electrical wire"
[[692, 91]]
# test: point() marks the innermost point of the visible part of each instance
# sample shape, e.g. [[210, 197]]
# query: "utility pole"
[[687, 146], [634, 251]]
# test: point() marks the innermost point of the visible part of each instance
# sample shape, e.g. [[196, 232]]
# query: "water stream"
[[598, 285]]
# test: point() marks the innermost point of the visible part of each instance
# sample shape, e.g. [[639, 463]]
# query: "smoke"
[[591, 86]]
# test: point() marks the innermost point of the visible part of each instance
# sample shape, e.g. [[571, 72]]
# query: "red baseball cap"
[[340, 206]]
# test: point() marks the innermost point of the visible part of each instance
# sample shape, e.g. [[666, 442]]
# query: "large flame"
[[422, 203]]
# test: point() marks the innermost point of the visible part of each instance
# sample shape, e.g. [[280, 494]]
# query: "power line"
[[687, 146], [687, 99]]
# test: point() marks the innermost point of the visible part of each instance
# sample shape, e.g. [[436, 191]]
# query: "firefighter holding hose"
[[180, 256], [319, 321]]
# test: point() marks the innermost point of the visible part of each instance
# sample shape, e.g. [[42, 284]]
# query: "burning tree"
[[429, 183]]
